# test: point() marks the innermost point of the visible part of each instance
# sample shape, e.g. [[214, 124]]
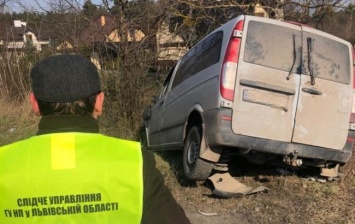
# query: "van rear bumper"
[[219, 133]]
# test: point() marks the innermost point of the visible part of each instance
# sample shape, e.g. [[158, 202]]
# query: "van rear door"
[[293, 84], [268, 79], [325, 98]]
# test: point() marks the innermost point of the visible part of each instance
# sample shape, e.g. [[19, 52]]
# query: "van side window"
[[164, 89], [200, 57], [273, 46], [330, 58]]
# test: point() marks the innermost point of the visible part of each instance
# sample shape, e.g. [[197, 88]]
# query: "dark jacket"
[[159, 206]]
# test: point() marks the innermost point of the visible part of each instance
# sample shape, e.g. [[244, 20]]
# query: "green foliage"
[[89, 9]]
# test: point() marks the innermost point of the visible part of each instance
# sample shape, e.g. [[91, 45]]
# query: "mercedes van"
[[268, 90]]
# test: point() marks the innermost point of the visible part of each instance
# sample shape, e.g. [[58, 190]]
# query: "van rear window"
[[276, 46], [329, 58], [272, 46]]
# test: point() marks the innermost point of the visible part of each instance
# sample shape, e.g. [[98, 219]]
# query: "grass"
[[290, 199], [17, 121]]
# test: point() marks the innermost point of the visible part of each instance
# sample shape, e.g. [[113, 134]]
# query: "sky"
[[36, 5]]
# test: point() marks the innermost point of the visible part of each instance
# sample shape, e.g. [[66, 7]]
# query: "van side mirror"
[[147, 113]]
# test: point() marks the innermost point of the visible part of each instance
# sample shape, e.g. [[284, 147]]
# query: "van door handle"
[[312, 91]]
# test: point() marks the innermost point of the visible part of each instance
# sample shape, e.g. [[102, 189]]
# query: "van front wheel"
[[143, 139], [195, 168]]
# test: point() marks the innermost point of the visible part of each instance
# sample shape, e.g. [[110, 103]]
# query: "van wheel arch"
[[195, 168], [207, 153]]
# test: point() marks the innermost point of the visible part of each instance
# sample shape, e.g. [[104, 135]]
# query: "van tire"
[[195, 168]]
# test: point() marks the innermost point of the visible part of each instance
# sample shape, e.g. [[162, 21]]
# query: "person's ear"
[[99, 104], [34, 104]]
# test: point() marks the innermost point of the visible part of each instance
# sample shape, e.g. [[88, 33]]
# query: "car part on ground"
[[226, 186]]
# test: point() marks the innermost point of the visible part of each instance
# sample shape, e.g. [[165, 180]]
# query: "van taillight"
[[230, 63], [352, 118], [352, 115]]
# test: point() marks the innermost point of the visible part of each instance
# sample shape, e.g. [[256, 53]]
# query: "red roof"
[[98, 30]]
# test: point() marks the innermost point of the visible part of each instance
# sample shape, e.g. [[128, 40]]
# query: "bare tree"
[[197, 18], [4, 5], [127, 61]]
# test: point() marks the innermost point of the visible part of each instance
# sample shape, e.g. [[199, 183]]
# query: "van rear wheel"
[[195, 168]]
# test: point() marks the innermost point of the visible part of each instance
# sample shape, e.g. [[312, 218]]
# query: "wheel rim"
[[192, 153]]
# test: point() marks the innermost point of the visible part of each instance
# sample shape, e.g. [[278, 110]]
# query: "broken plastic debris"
[[334, 178], [321, 180], [208, 213], [309, 178], [12, 129], [227, 186], [318, 179]]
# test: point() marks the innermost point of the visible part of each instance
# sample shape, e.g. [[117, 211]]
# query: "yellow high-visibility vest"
[[68, 178]]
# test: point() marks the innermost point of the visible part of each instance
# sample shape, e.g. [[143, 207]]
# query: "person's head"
[[66, 85]]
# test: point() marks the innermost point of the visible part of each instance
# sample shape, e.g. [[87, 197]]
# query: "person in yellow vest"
[[69, 173]]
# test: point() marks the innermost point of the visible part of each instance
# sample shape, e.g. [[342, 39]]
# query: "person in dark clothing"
[[69, 172]]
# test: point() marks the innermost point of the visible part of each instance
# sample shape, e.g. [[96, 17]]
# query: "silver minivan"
[[268, 90]]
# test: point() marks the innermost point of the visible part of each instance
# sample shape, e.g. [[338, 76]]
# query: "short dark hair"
[[79, 107]]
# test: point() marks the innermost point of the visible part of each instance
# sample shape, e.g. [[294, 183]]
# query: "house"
[[18, 37], [105, 30], [260, 11], [64, 46], [170, 46], [102, 36]]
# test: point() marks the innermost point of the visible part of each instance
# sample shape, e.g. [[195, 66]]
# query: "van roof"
[[299, 24]]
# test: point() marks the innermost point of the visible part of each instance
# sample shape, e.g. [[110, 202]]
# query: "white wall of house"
[[133, 35], [27, 37], [165, 36], [259, 11], [169, 53]]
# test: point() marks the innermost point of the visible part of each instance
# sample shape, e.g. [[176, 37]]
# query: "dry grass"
[[290, 199], [17, 121]]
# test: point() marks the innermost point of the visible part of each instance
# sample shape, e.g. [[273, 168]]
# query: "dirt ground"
[[291, 198], [196, 218]]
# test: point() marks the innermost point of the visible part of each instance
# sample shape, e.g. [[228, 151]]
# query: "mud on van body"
[[268, 90]]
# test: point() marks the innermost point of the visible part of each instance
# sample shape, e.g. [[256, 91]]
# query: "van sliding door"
[[325, 99], [268, 79]]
